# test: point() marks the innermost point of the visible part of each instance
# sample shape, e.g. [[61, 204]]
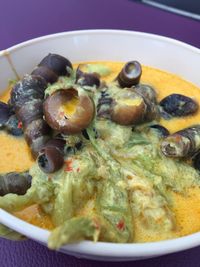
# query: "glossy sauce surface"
[[15, 156]]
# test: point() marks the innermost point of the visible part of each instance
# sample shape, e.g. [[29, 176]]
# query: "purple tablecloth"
[[23, 20]]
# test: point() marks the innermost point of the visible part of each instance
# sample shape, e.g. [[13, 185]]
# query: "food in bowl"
[[106, 151]]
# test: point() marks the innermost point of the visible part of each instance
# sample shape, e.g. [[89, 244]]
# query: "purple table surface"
[[23, 20]]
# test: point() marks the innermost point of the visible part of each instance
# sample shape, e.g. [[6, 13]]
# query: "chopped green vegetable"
[[73, 230], [98, 68], [8, 233], [40, 192], [63, 82], [74, 185]]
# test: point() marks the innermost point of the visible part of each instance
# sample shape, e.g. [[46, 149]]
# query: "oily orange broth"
[[14, 153], [186, 208], [15, 156]]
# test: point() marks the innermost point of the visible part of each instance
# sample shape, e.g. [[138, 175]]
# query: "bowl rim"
[[117, 250], [100, 31], [106, 249]]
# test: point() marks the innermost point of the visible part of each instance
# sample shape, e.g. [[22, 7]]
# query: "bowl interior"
[[160, 52]]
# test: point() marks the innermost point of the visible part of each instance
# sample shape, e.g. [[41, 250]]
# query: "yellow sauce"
[[187, 214], [35, 215], [70, 107], [15, 155]]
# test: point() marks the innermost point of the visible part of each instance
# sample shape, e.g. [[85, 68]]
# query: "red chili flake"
[[19, 125], [178, 138], [68, 167], [121, 225], [96, 224]]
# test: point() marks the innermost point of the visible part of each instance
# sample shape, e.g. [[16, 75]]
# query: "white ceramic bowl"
[[98, 45]]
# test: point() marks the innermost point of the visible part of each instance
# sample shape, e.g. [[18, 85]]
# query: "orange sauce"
[[15, 155], [36, 216]]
